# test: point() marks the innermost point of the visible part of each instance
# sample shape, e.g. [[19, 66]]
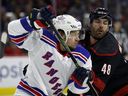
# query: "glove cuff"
[[39, 24], [74, 88]]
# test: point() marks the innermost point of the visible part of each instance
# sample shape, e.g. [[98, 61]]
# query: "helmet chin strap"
[[67, 37]]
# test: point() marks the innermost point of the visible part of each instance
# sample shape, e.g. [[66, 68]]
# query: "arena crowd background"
[[14, 9]]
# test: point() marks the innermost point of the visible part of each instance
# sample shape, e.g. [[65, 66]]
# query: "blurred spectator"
[[3, 41], [120, 34], [12, 50], [13, 9], [77, 10], [62, 6]]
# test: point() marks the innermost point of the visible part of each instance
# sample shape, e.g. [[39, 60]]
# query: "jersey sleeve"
[[22, 34], [83, 58]]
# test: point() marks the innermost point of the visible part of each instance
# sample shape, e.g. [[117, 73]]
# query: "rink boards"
[[10, 73]]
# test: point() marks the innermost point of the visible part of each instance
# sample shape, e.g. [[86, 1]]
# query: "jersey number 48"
[[106, 69]]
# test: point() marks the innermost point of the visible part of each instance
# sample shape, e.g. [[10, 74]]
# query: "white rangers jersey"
[[48, 71]]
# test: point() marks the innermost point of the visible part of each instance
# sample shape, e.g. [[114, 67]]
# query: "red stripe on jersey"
[[80, 55], [98, 83], [49, 40], [122, 92], [30, 89], [99, 54], [20, 39]]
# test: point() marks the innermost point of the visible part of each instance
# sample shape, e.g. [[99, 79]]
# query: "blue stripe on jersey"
[[83, 51], [19, 39], [79, 87], [75, 84], [48, 42], [39, 91], [80, 58], [19, 44], [12, 36], [23, 85], [28, 92], [49, 38], [25, 24]]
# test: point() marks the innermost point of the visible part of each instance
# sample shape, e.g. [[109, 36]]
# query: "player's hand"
[[80, 75], [36, 21], [47, 13]]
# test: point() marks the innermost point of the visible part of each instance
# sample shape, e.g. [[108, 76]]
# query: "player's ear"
[[62, 34]]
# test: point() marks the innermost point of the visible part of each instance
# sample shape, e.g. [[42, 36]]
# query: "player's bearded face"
[[99, 28]]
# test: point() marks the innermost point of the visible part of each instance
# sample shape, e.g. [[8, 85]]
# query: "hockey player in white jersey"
[[50, 68]]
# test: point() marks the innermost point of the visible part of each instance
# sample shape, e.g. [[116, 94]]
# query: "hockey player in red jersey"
[[109, 66]]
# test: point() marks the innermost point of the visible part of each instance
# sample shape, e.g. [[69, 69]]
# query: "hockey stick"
[[70, 54]]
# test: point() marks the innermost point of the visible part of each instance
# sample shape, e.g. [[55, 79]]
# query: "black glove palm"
[[79, 75]]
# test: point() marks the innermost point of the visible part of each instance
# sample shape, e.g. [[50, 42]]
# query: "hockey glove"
[[36, 21], [79, 75], [47, 14]]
